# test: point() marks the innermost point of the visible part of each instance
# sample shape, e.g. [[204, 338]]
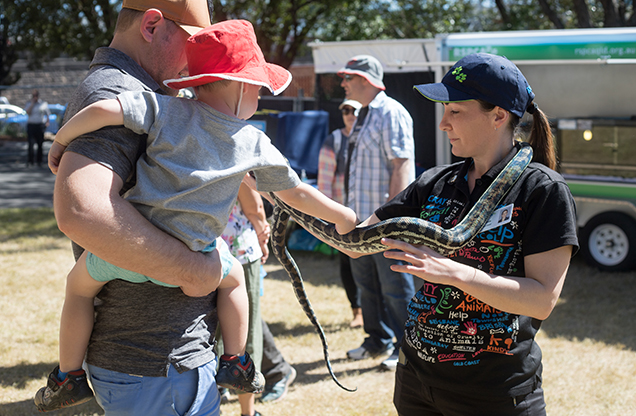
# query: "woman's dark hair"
[[541, 138]]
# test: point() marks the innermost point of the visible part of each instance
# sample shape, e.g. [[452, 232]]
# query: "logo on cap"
[[458, 74]]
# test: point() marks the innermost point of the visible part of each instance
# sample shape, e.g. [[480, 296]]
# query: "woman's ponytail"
[[541, 138]]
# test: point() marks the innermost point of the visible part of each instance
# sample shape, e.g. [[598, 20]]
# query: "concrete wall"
[[56, 81]]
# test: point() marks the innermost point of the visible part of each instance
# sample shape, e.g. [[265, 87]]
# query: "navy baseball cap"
[[482, 76]]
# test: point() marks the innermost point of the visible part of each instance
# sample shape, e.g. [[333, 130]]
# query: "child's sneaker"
[[57, 394], [234, 375]]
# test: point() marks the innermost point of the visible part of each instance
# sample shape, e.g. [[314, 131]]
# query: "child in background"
[[187, 182]]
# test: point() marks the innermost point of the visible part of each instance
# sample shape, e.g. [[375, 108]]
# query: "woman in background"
[[331, 174]]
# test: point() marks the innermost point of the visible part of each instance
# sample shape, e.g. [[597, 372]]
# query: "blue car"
[[57, 115], [13, 121]]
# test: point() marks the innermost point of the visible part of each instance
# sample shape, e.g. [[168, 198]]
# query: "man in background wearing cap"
[[380, 164], [151, 343]]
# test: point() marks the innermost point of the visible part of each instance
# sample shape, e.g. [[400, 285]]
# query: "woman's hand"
[[534, 294], [425, 263]]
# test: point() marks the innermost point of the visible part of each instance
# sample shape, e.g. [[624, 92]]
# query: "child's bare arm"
[[93, 117], [313, 202], [55, 154]]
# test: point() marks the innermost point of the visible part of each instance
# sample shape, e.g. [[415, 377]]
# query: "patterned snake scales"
[[408, 229]]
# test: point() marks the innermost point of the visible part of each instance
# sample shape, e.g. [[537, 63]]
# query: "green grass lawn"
[[589, 342]]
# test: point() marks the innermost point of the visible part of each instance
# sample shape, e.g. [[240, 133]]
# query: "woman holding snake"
[[469, 345]]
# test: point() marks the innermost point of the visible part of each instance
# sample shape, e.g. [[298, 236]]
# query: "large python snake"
[[411, 230]]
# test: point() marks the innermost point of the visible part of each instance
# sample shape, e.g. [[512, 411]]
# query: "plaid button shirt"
[[386, 134]]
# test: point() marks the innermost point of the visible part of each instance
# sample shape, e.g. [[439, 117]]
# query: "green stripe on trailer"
[[601, 50], [609, 190]]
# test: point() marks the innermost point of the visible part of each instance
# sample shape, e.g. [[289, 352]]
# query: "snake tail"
[[282, 254]]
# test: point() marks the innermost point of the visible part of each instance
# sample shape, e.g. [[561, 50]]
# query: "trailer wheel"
[[608, 241]]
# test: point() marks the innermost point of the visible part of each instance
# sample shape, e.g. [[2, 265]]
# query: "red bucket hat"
[[228, 50]]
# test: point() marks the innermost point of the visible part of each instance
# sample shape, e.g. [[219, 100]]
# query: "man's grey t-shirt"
[[140, 328], [195, 161]]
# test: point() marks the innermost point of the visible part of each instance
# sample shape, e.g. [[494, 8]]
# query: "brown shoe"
[[357, 321]]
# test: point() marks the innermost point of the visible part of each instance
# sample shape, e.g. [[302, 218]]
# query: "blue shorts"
[[102, 271], [193, 393]]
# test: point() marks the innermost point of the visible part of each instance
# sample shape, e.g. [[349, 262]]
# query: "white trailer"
[[585, 81]]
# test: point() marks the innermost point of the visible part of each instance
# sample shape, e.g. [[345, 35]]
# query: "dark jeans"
[[350, 287], [35, 134], [414, 398], [384, 296], [274, 367]]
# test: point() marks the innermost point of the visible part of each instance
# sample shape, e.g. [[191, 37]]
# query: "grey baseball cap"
[[367, 67]]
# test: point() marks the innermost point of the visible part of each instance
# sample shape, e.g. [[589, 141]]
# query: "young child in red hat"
[[198, 152]]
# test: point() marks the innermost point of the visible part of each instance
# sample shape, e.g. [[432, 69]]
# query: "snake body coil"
[[414, 231]]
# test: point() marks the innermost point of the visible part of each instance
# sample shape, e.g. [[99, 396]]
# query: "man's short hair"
[[126, 19]]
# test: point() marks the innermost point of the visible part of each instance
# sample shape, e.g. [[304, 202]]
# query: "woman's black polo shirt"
[[454, 340]]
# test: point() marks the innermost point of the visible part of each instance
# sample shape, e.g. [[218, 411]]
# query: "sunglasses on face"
[[348, 77], [348, 110]]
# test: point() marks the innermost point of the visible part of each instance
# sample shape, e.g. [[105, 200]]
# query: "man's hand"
[[204, 287]]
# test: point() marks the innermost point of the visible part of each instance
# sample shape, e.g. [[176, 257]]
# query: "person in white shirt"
[[38, 121]]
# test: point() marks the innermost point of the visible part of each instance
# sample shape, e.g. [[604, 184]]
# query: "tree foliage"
[[282, 26], [564, 14], [41, 30], [396, 19]]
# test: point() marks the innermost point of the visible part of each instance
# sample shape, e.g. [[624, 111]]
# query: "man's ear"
[[149, 22]]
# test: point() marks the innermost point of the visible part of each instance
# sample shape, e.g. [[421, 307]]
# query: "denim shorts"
[[102, 271], [193, 393]]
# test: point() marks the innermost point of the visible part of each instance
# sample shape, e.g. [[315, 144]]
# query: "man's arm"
[[400, 176], [28, 108], [90, 211]]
